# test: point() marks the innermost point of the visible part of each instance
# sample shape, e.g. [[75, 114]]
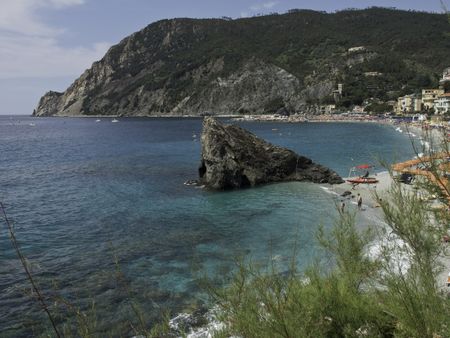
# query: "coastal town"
[[429, 105], [430, 101]]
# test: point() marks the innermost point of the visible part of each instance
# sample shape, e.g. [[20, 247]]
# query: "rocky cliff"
[[257, 65], [235, 158]]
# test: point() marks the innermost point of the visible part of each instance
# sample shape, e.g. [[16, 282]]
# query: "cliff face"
[[235, 158], [49, 104], [249, 89], [187, 66]]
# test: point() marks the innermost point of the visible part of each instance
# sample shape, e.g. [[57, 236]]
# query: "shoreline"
[[246, 118], [292, 119], [421, 129], [372, 214], [371, 210]]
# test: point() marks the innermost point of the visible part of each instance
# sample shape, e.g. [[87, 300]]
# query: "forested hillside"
[[259, 64]]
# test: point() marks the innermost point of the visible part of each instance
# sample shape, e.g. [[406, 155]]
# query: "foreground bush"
[[393, 294]]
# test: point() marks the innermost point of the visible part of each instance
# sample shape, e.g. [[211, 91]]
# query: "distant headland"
[[302, 61]]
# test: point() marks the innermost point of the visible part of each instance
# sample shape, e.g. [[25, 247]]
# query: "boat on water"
[[98, 120], [114, 121]]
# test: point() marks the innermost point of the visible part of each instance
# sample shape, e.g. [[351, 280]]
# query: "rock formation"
[[235, 158]]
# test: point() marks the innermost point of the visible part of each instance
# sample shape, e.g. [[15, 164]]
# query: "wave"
[[397, 251], [329, 191], [186, 325]]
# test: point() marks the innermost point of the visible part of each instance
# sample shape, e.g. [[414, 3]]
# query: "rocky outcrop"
[[141, 77], [48, 104], [248, 89], [235, 158]]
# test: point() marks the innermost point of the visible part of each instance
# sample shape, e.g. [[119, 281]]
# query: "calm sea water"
[[84, 194]]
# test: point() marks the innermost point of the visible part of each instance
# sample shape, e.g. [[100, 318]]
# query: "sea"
[[101, 212]]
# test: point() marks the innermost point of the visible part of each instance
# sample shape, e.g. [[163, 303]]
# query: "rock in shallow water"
[[233, 157]]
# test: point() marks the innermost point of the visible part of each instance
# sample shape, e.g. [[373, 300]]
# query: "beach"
[[302, 118], [367, 191], [372, 213]]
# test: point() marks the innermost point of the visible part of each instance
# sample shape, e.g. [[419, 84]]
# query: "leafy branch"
[[23, 261]]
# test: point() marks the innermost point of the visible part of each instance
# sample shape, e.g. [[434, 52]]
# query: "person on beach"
[[448, 280], [342, 207], [359, 202]]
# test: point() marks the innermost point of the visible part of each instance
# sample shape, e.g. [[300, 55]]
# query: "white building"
[[408, 104], [372, 74], [357, 49], [429, 96], [442, 104], [327, 109], [445, 76]]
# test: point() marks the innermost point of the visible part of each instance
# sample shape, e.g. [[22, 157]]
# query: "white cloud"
[[43, 57], [19, 16], [261, 7], [64, 3], [29, 47]]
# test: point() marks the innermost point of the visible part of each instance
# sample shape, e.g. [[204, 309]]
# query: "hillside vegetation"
[[192, 66]]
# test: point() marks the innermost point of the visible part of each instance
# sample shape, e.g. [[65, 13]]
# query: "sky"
[[46, 44]]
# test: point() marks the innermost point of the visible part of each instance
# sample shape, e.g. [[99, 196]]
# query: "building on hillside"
[[357, 49], [398, 108], [429, 96], [408, 104], [445, 76], [358, 110], [327, 108], [372, 74], [417, 103], [442, 104], [337, 93]]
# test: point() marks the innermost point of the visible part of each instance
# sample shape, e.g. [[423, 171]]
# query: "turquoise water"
[[83, 194]]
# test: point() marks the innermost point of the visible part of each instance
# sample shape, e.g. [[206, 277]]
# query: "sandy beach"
[[372, 213]]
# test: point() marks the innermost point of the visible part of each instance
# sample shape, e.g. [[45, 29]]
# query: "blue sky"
[[46, 44]]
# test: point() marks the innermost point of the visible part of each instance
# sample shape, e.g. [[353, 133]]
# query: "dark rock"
[[235, 158], [283, 112], [346, 194]]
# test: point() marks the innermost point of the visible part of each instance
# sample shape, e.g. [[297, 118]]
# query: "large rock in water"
[[235, 158]]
